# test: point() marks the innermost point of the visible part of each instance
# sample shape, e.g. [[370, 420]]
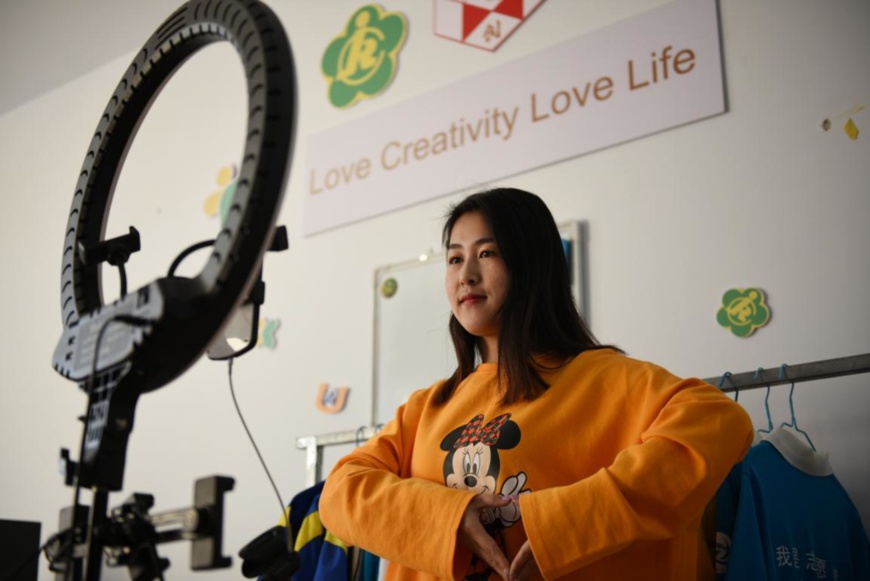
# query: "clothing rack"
[[314, 445], [787, 374], [727, 382]]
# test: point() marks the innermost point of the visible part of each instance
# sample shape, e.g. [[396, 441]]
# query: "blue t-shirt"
[[786, 519]]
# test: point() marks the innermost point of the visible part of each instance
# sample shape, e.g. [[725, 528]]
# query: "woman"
[[554, 457]]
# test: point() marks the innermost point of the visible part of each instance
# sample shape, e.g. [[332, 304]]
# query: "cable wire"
[[187, 252], [250, 437], [122, 272]]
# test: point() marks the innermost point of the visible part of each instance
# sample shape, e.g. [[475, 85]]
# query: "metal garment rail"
[[787, 374], [728, 382], [314, 445]]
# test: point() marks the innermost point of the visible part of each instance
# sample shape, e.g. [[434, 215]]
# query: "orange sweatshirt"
[[613, 466]]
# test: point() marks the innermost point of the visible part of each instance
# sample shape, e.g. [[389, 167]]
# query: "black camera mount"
[[129, 535]]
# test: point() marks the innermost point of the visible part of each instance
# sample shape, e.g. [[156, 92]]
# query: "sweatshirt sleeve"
[[370, 501], [652, 489]]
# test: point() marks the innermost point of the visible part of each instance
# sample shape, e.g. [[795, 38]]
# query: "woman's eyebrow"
[[477, 242]]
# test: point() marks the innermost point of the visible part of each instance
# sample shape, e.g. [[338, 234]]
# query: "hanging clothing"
[[323, 557], [612, 467], [299, 507], [369, 567], [782, 515]]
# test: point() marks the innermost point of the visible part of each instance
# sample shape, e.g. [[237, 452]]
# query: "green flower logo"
[[361, 61], [743, 311]]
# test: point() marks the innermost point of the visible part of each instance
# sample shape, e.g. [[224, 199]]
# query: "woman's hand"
[[524, 565], [474, 537]]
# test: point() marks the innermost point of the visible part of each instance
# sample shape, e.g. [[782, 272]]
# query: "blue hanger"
[[725, 376], [360, 436], [769, 429], [793, 424]]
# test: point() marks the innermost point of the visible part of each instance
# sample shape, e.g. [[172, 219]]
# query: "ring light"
[[170, 321]]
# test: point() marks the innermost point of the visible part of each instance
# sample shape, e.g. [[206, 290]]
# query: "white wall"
[[759, 196]]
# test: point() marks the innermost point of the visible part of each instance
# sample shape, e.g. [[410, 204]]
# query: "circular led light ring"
[[264, 50]]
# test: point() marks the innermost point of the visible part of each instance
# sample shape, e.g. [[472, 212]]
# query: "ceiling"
[[47, 43]]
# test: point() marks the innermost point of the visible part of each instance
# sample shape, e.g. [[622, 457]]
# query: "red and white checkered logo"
[[481, 23]]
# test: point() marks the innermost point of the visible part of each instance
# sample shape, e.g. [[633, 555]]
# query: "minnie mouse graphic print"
[[472, 463]]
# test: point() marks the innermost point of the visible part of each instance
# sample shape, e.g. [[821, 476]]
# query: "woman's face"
[[477, 281]]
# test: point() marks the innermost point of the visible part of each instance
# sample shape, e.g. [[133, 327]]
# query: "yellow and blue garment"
[[322, 556]]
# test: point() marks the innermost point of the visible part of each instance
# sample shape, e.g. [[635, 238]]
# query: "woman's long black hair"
[[539, 316]]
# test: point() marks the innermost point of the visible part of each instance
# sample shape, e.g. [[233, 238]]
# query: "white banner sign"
[[652, 72]]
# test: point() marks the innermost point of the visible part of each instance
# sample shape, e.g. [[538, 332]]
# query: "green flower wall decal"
[[362, 61], [743, 311]]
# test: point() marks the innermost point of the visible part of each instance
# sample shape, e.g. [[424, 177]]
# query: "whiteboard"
[[412, 346]]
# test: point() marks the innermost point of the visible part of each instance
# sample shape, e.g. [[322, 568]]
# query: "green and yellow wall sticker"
[[218, 203], [389, 288], [268, 333], [361, 62], [743, 311]]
